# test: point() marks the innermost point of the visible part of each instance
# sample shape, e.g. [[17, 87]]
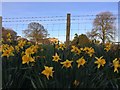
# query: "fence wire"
[[55, 25]]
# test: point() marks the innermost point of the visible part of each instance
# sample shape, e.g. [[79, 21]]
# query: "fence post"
[[68, 30], [119, 21], [0, 53]]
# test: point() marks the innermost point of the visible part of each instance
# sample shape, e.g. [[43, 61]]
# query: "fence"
[[0, 54], [56, 25]]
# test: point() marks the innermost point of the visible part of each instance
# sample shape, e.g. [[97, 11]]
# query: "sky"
[[42, 9], [60, 0], [20, 9]]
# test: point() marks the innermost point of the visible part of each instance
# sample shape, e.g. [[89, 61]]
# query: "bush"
[[81, 40]]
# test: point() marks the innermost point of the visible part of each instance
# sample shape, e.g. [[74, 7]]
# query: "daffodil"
[[48, 71], [86, 49], [8, 35], [67, 63], [56, 58], [22, 53], [56, 46], [116, 64], [81, 61], [21, 43], [90, 51], [35, 48], [55, 41], [5, 46], [28, 51], [78, 51], [7, 53], [76, 83], [27, 59], [9, 40], [100, 61], [11, 48], [62, 46], [1, 47], [107, 47], [1, 40], [29, 43], [31, 50], [75, 50], [7, 50], [17, 48]]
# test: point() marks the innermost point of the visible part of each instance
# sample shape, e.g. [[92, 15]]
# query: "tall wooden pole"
[[119, 21], [0, 53], [68, 30]]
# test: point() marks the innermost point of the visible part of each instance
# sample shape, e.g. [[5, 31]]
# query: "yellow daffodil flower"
[[1, 40], [56, 58], [75, 50], [9, 40], [21, 43], [62, 46], [67, 63], [90, 51], [8, 36], [100, 61], [35, 48], [7, 50], [27, 59], [116, 64], [1, 47], [7, 53], [17, 48], [29, 43], [28, 51], [76, 83], [107, 47], [48, 71], [31, 50], [81, 61]]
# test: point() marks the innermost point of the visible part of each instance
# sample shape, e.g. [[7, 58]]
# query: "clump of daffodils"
[[28, 52]]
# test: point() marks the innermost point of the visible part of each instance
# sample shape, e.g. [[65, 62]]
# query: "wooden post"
[[68, 30], [119, 21], [0, 53]]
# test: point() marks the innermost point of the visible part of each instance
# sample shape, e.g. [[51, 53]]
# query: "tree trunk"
[[103, 32], [103, 36]]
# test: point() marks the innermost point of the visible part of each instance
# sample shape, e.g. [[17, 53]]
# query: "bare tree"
[[35, 32], [103, 27]]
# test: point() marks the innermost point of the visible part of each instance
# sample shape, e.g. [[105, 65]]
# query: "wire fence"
[[56, 25]]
